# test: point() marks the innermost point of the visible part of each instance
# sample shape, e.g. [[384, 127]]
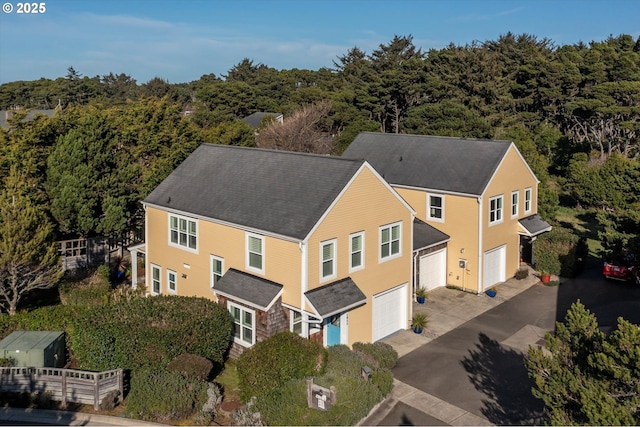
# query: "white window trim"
[[211, 259], [429, 217], [300, 321], [334, 272], [501, 210], [361, 266], [390, 256], [175, 282], [178, 245], [247, 257], [516, 205], [527, 200], [154, 266], [253, 324]]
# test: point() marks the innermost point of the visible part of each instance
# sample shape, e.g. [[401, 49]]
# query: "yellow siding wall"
[[511, 176], [365, 206], [281, 258], [461, 224]]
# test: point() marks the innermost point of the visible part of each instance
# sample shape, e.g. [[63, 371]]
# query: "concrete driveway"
[[468, 368]]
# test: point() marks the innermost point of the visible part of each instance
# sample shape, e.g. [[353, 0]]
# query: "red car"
[[623, 268]]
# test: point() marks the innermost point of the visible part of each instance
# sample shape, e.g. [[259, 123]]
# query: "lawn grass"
[[583, 223]]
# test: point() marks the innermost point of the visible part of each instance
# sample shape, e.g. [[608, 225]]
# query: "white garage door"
[[433, 270], [495, 262], [389, 312]]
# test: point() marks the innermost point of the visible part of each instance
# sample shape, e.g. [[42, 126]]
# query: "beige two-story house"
[[318, 245], [481, 193]]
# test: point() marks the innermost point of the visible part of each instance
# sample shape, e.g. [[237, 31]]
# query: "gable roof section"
[[335, 297], [249, 289], [425, 235], [534, 225], [457, 165], [278, 192]]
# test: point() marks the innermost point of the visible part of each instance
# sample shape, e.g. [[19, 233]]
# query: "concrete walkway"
[[446, 309], [30, 416]]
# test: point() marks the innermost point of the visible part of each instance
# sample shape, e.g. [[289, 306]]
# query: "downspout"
[[480, 237], [415, 256], [147, 259], [304, 284]]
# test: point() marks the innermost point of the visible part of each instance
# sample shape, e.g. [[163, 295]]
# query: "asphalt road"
[[470, 367]]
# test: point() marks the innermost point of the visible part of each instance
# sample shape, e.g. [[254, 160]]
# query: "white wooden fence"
[[63, 385]]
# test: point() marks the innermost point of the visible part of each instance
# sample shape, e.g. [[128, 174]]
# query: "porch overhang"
[[248, 289], [426, 236], [335, 297], [533, 226]]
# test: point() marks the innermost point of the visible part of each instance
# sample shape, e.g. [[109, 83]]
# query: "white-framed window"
[[217, 269], [244, 324], [295, 322], [527, 200], [172, 281], [183, 232], [495, 210], [435, 207], [390, 241], [515, 201], [328, 265], [156, 282], [255, 252], [356, 248]]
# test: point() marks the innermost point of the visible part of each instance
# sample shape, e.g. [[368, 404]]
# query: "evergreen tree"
[[589, 378], [28, 254]]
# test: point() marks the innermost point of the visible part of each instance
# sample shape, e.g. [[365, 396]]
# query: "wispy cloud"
[[127, 21], [479, 17]]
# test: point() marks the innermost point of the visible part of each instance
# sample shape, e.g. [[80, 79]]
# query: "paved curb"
[[66, 418]]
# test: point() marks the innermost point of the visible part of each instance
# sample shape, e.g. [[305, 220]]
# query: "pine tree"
[[28, 254], [589, 378]]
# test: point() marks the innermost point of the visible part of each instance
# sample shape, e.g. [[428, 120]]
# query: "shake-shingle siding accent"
[[279, 192], [457, 165]]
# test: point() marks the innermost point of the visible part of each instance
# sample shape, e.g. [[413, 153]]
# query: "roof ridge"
[[295, 153], [415, 135]]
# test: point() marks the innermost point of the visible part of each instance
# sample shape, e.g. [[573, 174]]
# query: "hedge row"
[[150, 332]]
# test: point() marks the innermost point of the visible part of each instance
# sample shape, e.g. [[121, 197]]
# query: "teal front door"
[[333, 330]]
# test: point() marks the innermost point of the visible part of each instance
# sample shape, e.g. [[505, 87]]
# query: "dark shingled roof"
[[255, 119], [457, 165], [336, 297], [280, 192], [424, 235], [247, 288], [535, 225]]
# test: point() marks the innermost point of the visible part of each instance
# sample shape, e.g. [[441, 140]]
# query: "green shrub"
[[557, 252], [280, 358], [355, 396], [158, 395], [104, 274], [383, 378], [6, 362], [382, 353], [150, 332], [191, 366], [92, 293]]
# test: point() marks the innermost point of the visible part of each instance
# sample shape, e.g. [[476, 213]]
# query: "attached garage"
[[433, 270], [389, 312], [495, 262]]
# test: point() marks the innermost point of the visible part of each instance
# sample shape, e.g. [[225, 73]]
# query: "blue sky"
[[181, 40]]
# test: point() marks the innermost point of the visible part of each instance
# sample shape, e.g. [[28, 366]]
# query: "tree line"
[[572, 111]]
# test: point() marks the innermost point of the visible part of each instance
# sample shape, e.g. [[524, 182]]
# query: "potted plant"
[[419, 322], [545, 276], [421, 295]]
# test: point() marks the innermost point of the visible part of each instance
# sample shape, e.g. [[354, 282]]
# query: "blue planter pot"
[[417, 330], [420, 300], [492, 293]]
